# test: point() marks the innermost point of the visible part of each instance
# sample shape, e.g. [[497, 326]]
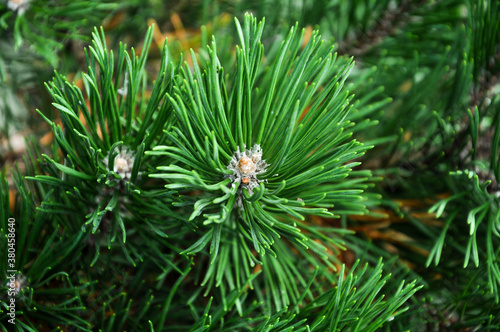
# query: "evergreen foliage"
[[261, 180]]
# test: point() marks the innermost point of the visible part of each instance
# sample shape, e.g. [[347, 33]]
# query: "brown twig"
[[385, 26]]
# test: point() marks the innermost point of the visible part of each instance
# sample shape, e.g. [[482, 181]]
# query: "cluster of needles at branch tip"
[[245, 166], [123, 163]]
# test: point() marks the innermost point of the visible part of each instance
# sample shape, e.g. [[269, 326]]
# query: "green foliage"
[[221, 115], [103, 143], [43, 23], [46, 292], [97, 179], [221, 193], [355, 303]]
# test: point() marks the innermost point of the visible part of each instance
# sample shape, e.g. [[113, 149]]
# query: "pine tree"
[[267, 179]]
